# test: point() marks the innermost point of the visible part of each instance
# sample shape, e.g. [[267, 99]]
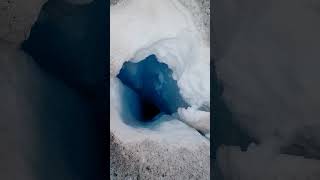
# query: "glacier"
[[157, 51], [159, 90]]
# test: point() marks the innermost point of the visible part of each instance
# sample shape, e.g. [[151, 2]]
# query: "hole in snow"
[[148, 110], [152, 81]]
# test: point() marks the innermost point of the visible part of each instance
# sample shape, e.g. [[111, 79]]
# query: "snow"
[[197, 119]]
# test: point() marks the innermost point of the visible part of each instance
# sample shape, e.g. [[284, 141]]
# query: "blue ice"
[[153, 82]]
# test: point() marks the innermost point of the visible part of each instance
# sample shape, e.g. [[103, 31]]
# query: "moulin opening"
[[148, 110], [153, 83]]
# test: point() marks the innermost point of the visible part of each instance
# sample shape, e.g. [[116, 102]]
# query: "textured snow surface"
[[163, 149]]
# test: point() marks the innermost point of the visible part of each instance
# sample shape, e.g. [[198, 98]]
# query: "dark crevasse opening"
[[148, 110], [153, 82]]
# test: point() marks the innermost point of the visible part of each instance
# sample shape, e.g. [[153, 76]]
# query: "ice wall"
[[153, 81]]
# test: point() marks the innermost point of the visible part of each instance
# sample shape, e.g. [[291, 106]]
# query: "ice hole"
[[152, 81]]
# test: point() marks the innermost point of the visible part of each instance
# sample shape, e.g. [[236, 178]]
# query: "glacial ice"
[[140, 28], [160, 55], [126, 122], [197, 119], [153, 81]]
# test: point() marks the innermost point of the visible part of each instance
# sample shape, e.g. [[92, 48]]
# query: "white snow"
[[197, 119]]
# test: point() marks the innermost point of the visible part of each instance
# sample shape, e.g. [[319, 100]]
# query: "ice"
[[140, 28], [197, 119], [153, 81], [161, 59], [137, 24], [189, 61], [126, 123]]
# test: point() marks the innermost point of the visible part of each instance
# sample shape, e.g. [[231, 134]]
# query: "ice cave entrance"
[[157, 91]]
